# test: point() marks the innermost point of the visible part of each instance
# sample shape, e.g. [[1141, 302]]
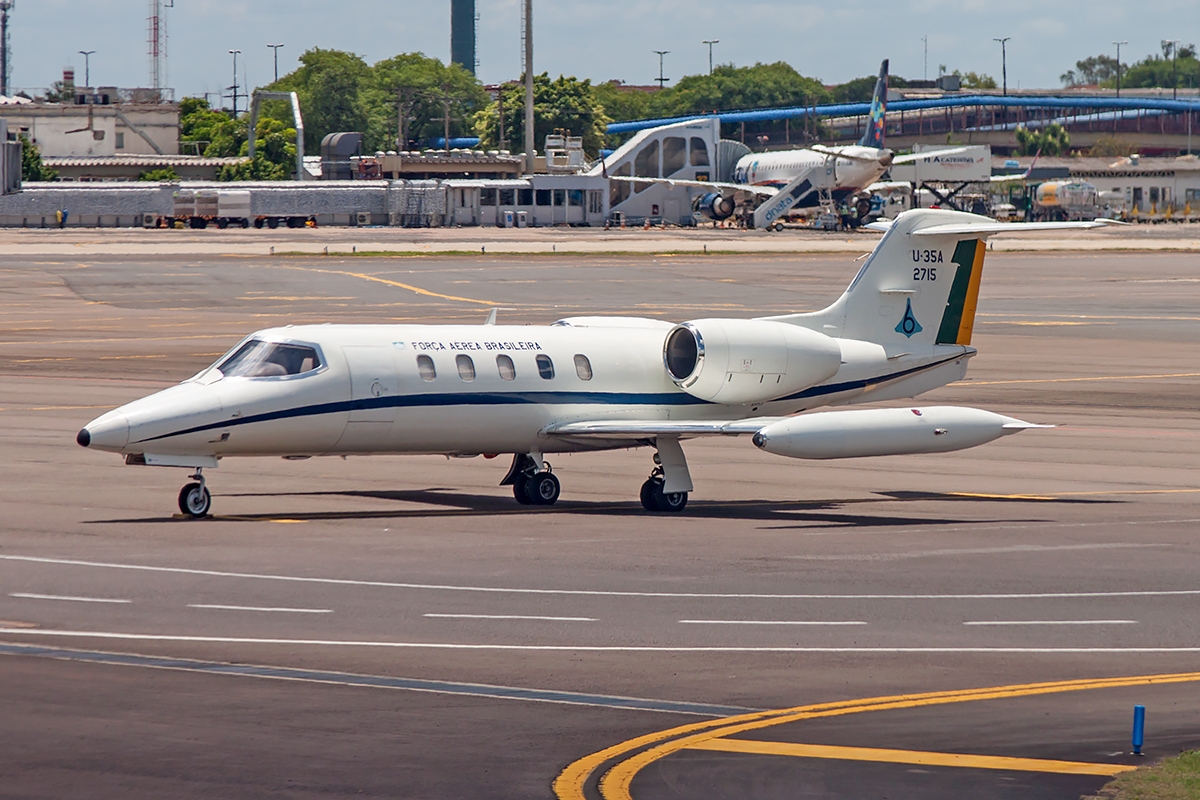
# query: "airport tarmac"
[[970, 624]]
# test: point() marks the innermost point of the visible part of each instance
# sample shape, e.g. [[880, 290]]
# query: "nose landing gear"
[[194, 498], [532, 481]]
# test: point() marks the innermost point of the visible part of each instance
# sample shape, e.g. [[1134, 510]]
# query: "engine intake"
[[743, 361], [714, 205]]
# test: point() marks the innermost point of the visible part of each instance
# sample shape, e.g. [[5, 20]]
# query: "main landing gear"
[[194, 499], [532, 481], [654, 498], [667, 487]]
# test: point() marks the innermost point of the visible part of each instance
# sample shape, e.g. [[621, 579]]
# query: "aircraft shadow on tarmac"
[[448, 502]]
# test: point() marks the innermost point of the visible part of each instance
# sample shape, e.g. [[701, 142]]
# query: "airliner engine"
[[741, 361], [714, 206]]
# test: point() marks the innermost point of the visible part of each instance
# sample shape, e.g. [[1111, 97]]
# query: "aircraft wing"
[[719, 185], [989, 228], [648, 429], [911, 157]]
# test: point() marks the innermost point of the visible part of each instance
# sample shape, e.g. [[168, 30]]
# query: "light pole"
[[234, 88], [1118, 44], [1004, 61], [1174, 53], [925, 41], [661, 80], [87, 67], [710, 43], [275, 50]]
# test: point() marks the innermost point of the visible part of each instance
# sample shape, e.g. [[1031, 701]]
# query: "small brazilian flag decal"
[[908, 325]]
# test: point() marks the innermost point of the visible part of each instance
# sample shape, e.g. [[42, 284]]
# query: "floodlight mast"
[[661, 80], [528, 58], [710, 43]]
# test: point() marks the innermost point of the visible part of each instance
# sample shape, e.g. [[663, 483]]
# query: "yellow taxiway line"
[[916, 757], [635, 754]]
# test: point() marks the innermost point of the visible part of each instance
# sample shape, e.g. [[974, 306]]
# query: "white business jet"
[[903, 327]]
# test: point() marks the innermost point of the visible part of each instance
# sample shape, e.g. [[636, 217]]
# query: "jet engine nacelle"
[[714, 206], [742, 361], [885, 432]]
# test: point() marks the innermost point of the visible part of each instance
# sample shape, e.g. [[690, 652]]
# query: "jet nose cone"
[[109, 432]]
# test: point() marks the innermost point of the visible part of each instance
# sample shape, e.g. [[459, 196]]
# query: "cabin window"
[[426, 368], [504, 365], [595, 201], [508, 197], [524, 197], [699, 152], [487, 197], [466, 367], [645, 165], [545, 367], [575, 197], [258, 359], [542, 196], [674, 155], [583, 367]]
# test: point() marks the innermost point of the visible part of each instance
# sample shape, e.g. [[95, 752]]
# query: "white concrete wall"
[[65, 130]]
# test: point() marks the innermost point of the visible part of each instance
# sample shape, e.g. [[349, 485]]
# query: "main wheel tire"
[[655, 499], [671, 502], [542, 489], [647, 495], [195, 500], [519, 490]]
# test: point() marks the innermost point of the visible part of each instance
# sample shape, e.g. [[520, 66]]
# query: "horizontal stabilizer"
[[991, 228]]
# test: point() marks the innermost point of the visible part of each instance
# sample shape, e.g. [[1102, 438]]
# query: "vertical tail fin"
[[918, 288], [873, 137]]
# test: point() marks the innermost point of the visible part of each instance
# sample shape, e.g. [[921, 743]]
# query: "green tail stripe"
[[964, 257]]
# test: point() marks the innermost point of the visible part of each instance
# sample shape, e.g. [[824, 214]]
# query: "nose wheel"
[[655, 499], [539, 489], [195, 501]]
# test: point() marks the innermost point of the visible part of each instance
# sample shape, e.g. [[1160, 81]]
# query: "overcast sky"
[[833, 41]]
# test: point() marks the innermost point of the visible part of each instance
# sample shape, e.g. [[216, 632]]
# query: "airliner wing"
[[719, 185], [645, 429]]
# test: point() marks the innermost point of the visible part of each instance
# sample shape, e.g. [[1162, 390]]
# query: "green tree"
[[256, 169], [219, 136], [564, 104], [329, 85], [976, 80], [1052, 140], [32, 168], [420, 89], [214, 133], [622, 103], [1164, 71], [1091, 71], [164, 174], [730, 87]]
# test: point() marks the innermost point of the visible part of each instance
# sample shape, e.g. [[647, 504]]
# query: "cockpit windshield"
[[258, 359]]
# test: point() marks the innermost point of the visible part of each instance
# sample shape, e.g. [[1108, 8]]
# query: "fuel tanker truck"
[[1066, 200]]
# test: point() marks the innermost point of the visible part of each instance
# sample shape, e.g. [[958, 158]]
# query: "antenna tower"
[[5, 47], [156, 42]]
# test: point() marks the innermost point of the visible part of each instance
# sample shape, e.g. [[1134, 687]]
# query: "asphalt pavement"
[[969, 624]]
